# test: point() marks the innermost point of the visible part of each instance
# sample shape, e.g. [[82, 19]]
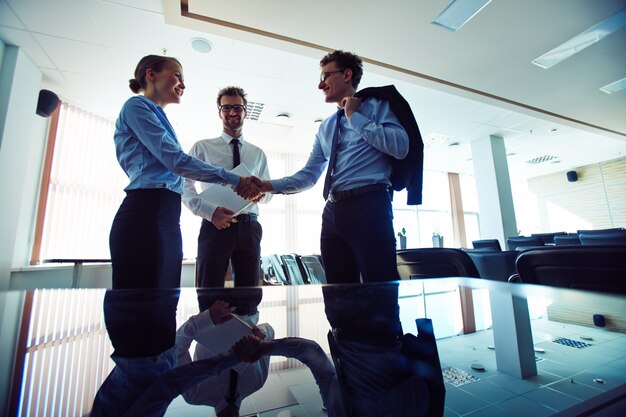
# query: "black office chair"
[[595, 268], [493, 244], [268, 272], [314, 269], [276, 269], [434, 263], [523, 242], [294, 270], [499, 266], [570, 239], [601, 231], [548, 238], [617, 237]]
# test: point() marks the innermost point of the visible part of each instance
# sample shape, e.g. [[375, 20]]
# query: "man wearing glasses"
[[356, 146], [225, 239]]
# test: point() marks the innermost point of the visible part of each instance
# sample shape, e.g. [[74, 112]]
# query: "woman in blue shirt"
[[145, 239]]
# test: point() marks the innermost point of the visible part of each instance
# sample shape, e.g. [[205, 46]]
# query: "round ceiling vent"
[[201, 45]]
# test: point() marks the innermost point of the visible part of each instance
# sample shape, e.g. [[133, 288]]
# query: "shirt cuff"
[[278, 186], [232, 179], [358, 121]]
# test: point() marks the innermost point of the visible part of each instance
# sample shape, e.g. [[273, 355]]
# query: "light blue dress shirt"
[[367, 142], [149, 152]]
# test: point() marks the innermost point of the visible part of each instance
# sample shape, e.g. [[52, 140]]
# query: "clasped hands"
[[252, 188]]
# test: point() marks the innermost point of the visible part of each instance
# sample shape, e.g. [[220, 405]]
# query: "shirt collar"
[[227, 138]]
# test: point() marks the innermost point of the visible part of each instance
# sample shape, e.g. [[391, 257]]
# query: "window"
[[86, 189]]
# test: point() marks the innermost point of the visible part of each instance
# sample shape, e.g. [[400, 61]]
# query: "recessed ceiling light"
[[284, 115], [581, 41], [614, 87], [454, 144], [201, 45], [318, 120], [458, 13]]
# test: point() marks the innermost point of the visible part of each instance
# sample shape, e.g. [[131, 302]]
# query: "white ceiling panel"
[[29, 45], [69, 19], [8, 18], [85, 58]]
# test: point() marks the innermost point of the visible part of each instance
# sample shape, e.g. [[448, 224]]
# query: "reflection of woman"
[[145, 239]]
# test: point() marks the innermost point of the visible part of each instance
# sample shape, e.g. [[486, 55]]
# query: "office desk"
[[60, 347]]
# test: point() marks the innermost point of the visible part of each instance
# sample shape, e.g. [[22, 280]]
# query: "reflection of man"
[[227, 390], [357, 237], [224, 238], [379, 372]]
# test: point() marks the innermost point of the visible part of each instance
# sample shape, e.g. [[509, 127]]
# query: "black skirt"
[[145, 241]]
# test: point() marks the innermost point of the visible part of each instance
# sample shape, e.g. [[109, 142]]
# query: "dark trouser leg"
[[340, 265], [246, 257], [214, 250], [364, 224]]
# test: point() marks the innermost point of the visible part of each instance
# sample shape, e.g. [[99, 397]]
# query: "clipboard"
[[227, 197]]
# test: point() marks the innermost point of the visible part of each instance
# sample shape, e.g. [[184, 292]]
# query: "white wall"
[[21, 143]]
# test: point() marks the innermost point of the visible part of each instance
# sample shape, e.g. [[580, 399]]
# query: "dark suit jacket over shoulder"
[[408, 172]]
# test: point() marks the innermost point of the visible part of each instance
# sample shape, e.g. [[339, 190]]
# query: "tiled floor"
[[565, 377]]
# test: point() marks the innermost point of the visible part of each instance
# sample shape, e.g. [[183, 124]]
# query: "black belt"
[[336, 196], [245, 218]]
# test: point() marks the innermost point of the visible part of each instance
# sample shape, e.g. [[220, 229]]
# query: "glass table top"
[[365, 349]]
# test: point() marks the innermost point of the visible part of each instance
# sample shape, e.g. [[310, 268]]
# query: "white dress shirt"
[[219, 152], [214, 389]]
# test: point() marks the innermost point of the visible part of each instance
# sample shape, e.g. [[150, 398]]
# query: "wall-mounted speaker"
[[47, 103], [572, 176]]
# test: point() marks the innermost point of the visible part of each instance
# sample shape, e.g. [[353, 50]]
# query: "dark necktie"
[[231, 397], [236, 158], [333, 154]]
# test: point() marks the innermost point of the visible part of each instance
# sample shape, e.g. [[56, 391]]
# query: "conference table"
[[501, 348]]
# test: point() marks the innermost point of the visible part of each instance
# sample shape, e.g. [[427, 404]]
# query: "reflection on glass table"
[[63, 351]]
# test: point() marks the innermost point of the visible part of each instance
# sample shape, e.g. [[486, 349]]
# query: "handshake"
[[253, 188]]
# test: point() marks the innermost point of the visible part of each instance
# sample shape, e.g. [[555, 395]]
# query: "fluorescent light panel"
[[614, 87], [458, 13], [581, 41]]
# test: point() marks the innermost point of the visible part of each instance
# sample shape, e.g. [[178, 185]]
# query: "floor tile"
[[463, 402], [557, 368], [575, 389], [305, 393], [314, 409], [488, 392], [296, 410], [296, 376], [273, 399], [491, 411], [551, 398], [449, 413], [516, 385], [544, 378], [523, 407], [607, 379]]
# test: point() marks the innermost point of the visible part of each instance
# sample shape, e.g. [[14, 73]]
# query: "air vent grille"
[[541, 159], [254, 110]]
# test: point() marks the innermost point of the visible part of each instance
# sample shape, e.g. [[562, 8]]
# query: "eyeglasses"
[[227, 108], [325, 75]]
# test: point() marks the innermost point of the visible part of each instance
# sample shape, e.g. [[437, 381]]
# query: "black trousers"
[[357, 239], [145, 241], [239, 244]]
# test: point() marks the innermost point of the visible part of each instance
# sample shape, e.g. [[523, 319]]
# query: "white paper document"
[[227, 197], [222, 337]]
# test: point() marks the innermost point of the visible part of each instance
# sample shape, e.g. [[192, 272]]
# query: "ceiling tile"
[[62, 18]]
